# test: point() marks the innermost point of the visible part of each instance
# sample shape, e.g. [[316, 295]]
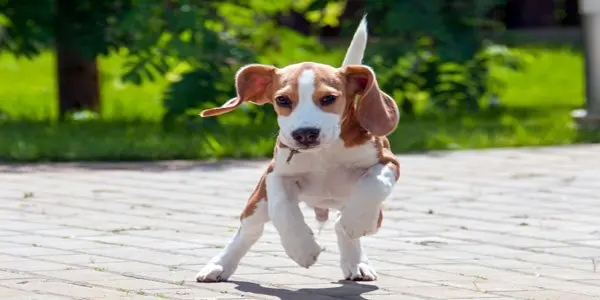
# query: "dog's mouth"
[[299, 147], [307, 148]]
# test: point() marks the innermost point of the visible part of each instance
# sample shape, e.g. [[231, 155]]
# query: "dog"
[[331, 153]]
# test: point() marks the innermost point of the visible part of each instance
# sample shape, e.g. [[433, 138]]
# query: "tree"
[[78, 30]]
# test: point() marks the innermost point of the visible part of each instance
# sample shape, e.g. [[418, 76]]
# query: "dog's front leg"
[[353, 261], [362, 213], [297, 238]]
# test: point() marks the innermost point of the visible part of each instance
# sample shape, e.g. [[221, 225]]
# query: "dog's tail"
[[356, 50]]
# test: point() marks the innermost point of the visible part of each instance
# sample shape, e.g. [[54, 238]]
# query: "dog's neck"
[[334, 147]]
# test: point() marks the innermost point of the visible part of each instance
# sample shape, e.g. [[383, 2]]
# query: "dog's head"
[[317, 104], [312, 101]]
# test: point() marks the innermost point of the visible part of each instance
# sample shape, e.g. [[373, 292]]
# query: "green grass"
[[536, 107], [28, 91], [553, 78], [113, 140]]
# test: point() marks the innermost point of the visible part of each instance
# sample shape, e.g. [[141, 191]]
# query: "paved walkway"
[[501, 224]]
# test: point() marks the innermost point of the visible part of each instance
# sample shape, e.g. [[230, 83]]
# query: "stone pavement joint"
[[490, 224]]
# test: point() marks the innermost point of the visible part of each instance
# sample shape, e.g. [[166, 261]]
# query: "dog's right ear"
[[253, 83]]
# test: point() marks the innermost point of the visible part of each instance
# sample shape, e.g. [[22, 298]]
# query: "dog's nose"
[[306, 136]]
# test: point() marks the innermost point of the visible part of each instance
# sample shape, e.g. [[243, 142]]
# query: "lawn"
[[535, 111]]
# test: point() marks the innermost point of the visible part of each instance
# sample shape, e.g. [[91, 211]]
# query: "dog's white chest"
[[330, 188], [326, 178]]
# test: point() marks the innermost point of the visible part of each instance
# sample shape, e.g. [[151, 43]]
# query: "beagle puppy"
[[331, 153]]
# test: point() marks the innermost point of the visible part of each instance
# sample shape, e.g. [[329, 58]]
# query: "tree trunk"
[[530, 13], [572, 17], [78, 86]]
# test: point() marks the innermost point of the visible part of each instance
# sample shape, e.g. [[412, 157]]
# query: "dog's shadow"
[[347, 289]]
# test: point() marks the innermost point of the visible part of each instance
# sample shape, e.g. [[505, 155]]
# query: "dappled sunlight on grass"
[[551, 78], [28, 87], [500, 129], [111, 141], [28, 90], [536, 107]]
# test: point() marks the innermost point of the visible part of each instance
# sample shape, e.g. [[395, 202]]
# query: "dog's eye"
[[283, 101], [327, 100]]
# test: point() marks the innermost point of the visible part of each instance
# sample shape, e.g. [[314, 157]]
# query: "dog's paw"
[[358, 271], [304, 251], [214, 272], [356, 224]]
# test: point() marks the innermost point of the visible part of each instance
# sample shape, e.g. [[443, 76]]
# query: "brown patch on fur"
[[351, 132], [386, 156], [376, 111], [253, 83], [329, 82], [380, 220], [259, 193], [286, 85]]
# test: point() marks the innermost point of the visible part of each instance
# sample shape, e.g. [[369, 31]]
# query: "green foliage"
[[444, 58], [451, 26], [448, 84], [26, 28], [215, 40]]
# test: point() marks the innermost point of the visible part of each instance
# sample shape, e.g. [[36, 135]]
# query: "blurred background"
[[111, 80]]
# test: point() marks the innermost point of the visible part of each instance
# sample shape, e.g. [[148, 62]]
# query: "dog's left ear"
[[376, 111], [253, 83]]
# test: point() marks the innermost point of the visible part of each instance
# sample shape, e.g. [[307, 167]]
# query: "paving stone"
[[33, 265], [488, 224], [80, 259], [548, 294], [56, 287]]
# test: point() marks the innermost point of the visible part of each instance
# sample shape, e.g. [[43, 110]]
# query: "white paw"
[[356, 224], [358, 272], [304, 251], [213, 272]]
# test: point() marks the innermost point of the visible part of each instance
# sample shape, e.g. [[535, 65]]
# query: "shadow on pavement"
[[346, 290]]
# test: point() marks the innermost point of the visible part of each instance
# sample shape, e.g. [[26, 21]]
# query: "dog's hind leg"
[[253, 220]]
